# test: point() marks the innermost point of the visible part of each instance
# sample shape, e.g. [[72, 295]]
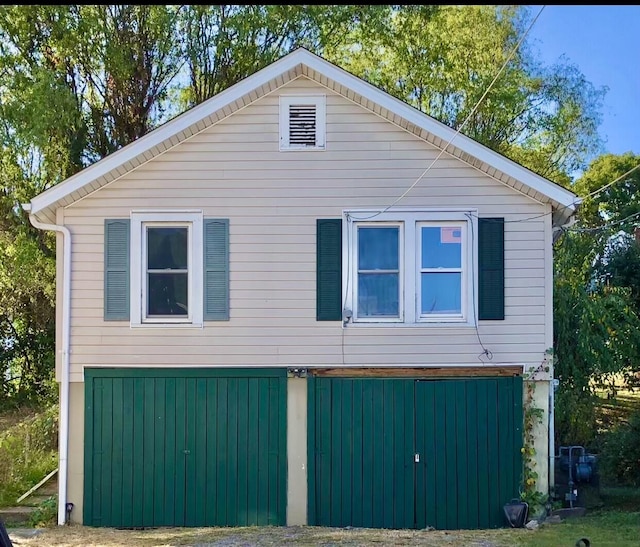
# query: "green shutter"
[[116, 269], [491, 268], [216, 269], [329, 269]]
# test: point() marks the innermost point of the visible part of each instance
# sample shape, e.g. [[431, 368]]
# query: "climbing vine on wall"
[[533, 417]]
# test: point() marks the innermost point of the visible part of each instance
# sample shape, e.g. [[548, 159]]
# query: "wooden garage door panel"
[[470, 433], [364, 434], [361, 452], [169, 448]]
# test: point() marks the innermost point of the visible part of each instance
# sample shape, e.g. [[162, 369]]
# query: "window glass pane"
[[378, 295], [167, 248], [378, 248], [167, 294], [441, 246], [441, 293]]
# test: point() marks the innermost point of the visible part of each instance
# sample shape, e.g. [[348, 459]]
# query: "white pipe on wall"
[[552, 433], [64, 377]]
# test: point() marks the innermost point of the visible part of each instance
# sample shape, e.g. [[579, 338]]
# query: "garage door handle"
[[416, 458]]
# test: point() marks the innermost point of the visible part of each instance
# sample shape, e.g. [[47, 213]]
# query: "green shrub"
[[28, 452], [620, 453], [45, 514]]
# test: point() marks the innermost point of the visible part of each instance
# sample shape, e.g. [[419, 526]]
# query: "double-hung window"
[[412, 267], [379, 283], [166, 273], [441, 269]]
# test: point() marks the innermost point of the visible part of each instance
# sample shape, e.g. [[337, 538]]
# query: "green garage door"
[[407, 453], [185, 447]]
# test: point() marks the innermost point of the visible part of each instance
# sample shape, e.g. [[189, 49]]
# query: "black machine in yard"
[[577, 481]]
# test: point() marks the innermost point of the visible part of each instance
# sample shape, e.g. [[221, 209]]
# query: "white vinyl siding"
[[235, 170]]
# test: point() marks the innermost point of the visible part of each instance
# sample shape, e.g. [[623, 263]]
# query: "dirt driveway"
[[80, 536]]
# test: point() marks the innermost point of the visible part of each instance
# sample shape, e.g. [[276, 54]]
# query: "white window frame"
[[439, 317], [411, 219], [368, 319], [321, 121], [140, 220]]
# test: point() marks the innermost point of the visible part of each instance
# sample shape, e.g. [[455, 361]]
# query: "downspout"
[[64, 379], [552, 433], [564, 223]]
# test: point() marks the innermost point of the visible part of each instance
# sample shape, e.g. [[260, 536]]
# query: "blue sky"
[[604, 43]]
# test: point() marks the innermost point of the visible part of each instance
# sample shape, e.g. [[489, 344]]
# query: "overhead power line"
[[473, 111]]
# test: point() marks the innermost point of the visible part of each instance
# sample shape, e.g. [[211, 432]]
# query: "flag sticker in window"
[[450, 234]]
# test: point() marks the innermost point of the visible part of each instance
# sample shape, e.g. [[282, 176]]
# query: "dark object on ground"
[[516, 512], [4, 536], [583, 542]]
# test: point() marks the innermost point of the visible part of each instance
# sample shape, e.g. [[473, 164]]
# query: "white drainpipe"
[[552, 433], [64, 380]]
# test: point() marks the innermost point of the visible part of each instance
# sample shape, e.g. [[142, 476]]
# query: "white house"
[[289, 306]]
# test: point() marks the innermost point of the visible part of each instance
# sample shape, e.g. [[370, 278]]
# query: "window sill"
[[303, 149], [166, 325], [420, 325]]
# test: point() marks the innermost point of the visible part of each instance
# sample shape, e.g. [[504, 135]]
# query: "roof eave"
[[451, 138]]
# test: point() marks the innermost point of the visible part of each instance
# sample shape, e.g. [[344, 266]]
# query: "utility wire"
[[473, 111], [485, 351], [596, 192], [604, 226], [575, 203]]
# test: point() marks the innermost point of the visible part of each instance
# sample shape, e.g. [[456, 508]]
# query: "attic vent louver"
[[302, 125], [302, 122]]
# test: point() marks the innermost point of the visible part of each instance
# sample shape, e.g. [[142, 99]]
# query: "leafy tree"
[[620, 266], [226, 43], [596, 297], [613, 203], [77, 83], [442, 62]]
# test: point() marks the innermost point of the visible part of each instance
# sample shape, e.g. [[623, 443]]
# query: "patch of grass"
[[601, 528], [621, 498], [28, 452], [615, 410]]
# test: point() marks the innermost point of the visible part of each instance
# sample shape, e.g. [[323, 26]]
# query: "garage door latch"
[[416, 458]]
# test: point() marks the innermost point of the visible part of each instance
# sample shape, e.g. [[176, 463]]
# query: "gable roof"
[[302, 62]]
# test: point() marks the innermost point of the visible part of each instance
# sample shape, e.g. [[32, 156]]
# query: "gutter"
[[63, 467]]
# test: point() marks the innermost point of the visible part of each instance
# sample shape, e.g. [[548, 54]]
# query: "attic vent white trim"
[[302, 122]]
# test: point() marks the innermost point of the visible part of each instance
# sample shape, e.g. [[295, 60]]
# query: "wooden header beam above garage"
[[431, 372]]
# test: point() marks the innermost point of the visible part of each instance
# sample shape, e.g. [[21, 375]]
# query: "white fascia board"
[[301, 56]]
